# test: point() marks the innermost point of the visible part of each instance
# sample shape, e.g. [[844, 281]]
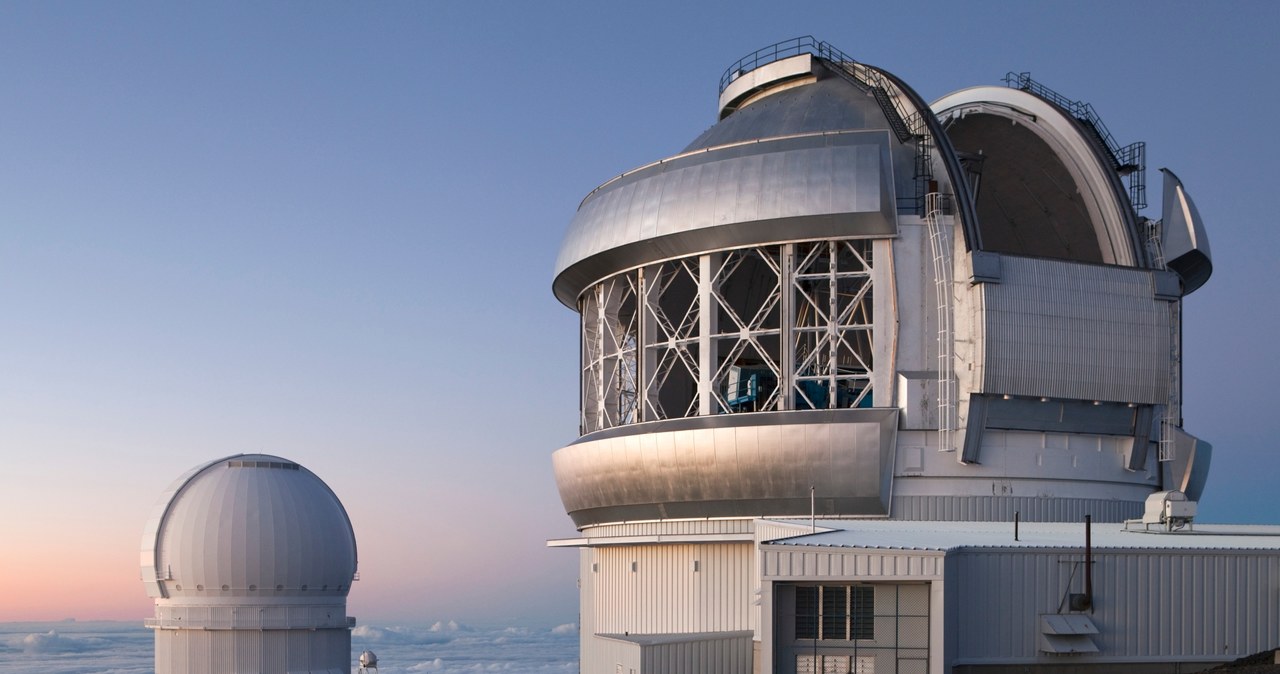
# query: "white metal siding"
[[1148, 604], [846, 563], [232, 651], [608, 656], [591, 654], [767, 530], [670, 528], [665, 594]]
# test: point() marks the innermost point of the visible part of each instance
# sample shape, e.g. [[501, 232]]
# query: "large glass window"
[[782, 327], [839, 612], [852, 627]]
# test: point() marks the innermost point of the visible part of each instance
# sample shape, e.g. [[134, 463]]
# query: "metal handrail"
[[1128, 160], [1078, 109], [906, 125], [805, 44]]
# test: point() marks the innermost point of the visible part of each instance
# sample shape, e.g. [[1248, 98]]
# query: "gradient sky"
[[326, 231]]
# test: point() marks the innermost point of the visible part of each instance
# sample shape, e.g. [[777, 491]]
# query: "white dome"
[[245, 526]]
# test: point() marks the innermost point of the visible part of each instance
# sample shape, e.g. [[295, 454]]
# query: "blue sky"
[[326, 231]]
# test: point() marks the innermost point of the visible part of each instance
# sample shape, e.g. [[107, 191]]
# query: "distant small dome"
[[249, 525]]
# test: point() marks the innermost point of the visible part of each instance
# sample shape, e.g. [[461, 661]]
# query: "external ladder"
[[940, 243]]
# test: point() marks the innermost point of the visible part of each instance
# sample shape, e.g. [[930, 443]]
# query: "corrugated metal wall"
[[728, 655], [670, 528], [199, 651], [668, 588], [790, 563], [1076, 331], [1147, 604], [1002, 508]]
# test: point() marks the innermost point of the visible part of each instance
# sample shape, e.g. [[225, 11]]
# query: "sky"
[[326, 231]]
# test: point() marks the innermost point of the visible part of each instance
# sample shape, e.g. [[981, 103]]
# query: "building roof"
[[676, 638], [948, 536]]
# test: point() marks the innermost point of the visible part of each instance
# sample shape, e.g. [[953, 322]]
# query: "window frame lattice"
[[754, 329]]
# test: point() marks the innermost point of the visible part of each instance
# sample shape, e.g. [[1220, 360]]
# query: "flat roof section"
[[946, 536]]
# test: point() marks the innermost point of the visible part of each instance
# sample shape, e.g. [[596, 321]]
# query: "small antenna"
[[813, 511]]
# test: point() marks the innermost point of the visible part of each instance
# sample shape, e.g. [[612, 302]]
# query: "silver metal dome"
[[809, 162], [249, 526], [839, 300]]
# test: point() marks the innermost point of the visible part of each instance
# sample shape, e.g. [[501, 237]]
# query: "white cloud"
[[451, 626], [567, 628], [453, 648], [52, 642], [368, 634]]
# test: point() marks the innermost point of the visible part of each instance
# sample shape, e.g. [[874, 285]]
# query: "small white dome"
[[245, 526]]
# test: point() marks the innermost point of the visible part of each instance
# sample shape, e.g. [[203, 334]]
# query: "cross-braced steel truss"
[[766, 328], [833, 324], [672, 309], [609, 356]]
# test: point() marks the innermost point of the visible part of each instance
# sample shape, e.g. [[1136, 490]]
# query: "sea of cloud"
[[72, 647]]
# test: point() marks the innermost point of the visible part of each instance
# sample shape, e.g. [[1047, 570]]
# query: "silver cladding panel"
[[818, 186], [741, 465], [830, 104], [1075, 331], [1186, 246], [1148, 604]]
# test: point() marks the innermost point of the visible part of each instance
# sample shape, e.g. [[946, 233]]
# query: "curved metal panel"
[[828, 105], [153, 573], [950, 162], [1190, 467], [732, 466], [1076, 331], [830, 185], [1185, 245], [1081, 155], [254, 527], [749, 84]]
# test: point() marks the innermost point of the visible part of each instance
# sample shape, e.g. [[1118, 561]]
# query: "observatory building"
[[835, 348], [249, 559]]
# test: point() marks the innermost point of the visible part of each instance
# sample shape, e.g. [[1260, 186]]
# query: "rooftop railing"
[[1129, 160], [805, 44]]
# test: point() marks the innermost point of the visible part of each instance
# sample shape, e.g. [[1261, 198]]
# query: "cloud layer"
[[445, 647]]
